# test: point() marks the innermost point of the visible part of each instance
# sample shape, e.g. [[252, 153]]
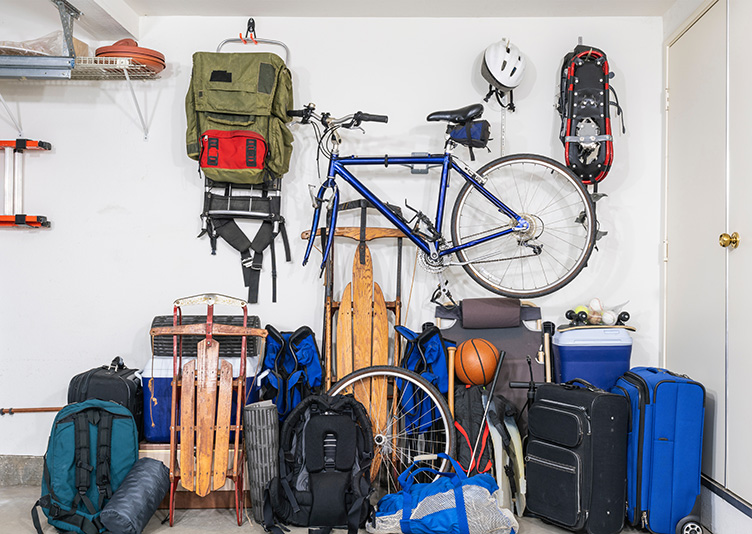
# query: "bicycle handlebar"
[[367, 117], [348, 121]]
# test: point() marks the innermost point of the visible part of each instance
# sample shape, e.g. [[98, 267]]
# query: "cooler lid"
[[593, 336]]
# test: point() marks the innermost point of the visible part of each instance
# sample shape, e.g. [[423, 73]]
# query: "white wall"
[[124, 210]]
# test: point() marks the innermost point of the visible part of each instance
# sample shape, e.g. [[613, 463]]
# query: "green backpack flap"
[[236, 109], [92, 447]]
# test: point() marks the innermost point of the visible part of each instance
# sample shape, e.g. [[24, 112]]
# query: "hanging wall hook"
[[251, 29]]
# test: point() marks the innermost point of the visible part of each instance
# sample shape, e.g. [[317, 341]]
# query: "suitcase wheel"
[[689, 525]]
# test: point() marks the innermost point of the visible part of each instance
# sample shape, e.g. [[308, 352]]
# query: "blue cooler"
[[158, 394], [599, 355]]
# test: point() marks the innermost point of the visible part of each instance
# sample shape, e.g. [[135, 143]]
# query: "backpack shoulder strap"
[[104, 440], [82, 454]]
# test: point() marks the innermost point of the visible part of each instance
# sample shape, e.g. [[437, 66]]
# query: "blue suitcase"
[[664, 450]]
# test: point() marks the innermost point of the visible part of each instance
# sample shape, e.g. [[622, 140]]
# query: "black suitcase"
[[114, 382], [576, 458]]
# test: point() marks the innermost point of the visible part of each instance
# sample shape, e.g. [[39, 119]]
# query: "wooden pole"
[[11, 411], [450, 398]]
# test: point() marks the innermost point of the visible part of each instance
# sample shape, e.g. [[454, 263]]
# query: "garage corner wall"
[[124, 210]]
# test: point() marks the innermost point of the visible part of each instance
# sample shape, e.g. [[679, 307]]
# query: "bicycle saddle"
[[465, 114]]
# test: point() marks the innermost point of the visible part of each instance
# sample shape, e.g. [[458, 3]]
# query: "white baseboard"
[[722, 511]]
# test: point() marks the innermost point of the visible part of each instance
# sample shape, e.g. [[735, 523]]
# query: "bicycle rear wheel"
[[554, 249], [409, 418]]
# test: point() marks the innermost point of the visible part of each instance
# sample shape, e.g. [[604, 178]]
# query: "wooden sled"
[[202, 392], [362, 324], [362, 328]]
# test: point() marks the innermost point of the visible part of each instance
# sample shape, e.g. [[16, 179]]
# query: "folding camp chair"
[[202, 392], [512, 334]]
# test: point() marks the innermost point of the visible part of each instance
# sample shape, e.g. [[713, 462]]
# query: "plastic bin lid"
[[593, 336]]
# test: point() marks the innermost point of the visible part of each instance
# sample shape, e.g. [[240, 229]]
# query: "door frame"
[[703, 8]]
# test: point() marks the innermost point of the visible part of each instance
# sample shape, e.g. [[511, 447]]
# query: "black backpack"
[[468, 422], [326, 448], [584, 105]]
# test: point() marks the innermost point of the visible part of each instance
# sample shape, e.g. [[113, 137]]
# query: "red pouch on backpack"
[[235, 149]]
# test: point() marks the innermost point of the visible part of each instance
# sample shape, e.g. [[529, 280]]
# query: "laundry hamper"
[[261, 427]]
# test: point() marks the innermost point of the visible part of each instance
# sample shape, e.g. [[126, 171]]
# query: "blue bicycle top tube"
[[337, 167]]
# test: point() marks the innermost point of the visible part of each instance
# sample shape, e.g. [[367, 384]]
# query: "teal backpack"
[[92, 447]]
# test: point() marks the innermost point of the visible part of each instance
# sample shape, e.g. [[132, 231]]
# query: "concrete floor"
[[16, 503]]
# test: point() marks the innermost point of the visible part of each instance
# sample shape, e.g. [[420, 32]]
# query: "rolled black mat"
[[137, 498]]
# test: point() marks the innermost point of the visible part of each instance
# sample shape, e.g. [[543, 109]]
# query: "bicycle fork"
[[318, 202]]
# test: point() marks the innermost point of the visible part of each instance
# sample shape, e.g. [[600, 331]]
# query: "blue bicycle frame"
[[338, 167]]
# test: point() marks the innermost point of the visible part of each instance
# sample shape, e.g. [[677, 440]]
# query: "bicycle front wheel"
[[555, 247], [409, 417]]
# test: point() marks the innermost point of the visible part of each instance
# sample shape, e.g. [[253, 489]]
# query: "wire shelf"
[[111, 68]]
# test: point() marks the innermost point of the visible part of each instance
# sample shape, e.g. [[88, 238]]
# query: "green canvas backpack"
[[236, 109]]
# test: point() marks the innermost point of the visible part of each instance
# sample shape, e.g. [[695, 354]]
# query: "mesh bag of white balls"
[[595, 313]]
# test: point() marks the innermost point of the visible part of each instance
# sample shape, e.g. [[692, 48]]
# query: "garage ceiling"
[[400, 8], [115, 19]]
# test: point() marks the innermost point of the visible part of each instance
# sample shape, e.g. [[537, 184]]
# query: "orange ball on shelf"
[[475, 361]]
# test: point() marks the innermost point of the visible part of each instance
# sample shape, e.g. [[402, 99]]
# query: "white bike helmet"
[[503, 65]]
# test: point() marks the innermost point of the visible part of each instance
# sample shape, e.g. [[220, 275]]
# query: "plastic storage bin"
[[156, 378], [599, 355]]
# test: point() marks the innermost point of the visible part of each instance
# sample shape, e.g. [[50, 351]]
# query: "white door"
[[739, 470], [695, 326]]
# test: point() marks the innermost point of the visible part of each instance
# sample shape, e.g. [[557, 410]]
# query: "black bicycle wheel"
[[393, 397], [561, 233]]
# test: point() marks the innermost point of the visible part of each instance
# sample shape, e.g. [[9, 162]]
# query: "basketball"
[[475, 361]]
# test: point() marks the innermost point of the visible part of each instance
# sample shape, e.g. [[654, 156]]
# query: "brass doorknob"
[[729, 240]]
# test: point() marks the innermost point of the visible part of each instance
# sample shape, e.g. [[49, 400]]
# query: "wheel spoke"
[[550, 252], [397, 439]]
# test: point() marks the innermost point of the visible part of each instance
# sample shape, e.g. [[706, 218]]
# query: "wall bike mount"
[[13, 191]]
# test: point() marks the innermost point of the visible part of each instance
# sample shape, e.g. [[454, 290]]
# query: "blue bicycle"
[[522, 226]]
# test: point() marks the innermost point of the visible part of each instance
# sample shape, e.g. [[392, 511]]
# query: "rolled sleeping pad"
[[490, 313], [137, 498]]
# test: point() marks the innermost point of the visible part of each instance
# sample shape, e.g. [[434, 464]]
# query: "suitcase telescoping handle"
[[573, 384]]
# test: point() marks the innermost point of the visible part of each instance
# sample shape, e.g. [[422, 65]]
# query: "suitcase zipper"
[[550, 463], [565, 468], [643, 399], [570, 408]]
